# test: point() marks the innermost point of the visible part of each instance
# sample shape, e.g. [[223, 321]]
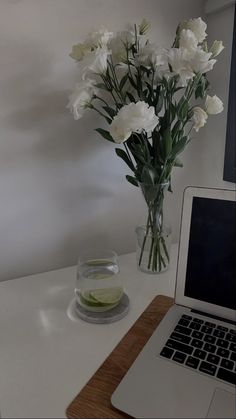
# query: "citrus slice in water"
[[87, 299], [107, 295]]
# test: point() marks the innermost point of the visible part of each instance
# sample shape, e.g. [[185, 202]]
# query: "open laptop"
[[188, 367]]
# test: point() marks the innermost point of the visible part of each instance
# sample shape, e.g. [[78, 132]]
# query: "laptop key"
[[223, 328], [223, 352], [179, 357], [225, 363], [233, 356], [180, 338], [183, 330], [196, 320], [209, 347], [167, 352], [199, 353], [230, 337], [184, 322], [209, 339], [233, 331], [197, 343], [222, 343], [213, 359], [192, 362], [210, 324], [226, 375], [219, 333], [179, 346], [197, 335], [232, 347], [195, 326], [206, 329], [207, 368]]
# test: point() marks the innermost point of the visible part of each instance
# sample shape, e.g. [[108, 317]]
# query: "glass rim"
[[94, 253]]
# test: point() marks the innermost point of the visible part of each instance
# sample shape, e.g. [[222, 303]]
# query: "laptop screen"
[[211, 265]]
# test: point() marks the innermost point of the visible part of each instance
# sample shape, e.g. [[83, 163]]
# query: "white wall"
[[220, 26], [61, 187]]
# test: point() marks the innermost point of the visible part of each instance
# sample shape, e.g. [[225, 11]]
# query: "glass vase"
[[153, 240]]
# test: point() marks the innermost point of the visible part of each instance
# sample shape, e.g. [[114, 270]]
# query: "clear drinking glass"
[[98, 284]]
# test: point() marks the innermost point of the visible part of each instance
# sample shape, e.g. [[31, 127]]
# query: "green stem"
[[150, 253], [144, 239], [165, 248], [98, 111]]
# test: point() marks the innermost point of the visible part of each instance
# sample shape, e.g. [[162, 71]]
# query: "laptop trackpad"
[[222, 405]]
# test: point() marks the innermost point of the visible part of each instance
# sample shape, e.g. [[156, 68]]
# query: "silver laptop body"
[[188, 367]]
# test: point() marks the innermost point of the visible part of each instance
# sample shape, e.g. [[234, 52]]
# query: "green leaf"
[[183, 110], [179, 146], [132, 180], [167, 141], [150, 191], [148, 175], [176, 130], [132, 82], [173, 111], [105, 134], [138, 156], [122, 154], [201, 88], [111, 112], [101, 86], [159, 104], [131, 97], [123, 81]]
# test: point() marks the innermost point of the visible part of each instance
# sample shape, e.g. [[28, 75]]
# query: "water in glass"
[[98, 285]]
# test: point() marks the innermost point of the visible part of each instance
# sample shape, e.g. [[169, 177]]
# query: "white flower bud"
[[213, 105], [216, 48], [199, 118]]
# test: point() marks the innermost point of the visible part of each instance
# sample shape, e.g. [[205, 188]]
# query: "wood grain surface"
[[93, 401]]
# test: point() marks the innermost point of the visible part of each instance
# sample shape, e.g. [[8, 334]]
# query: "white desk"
[[45, 357]]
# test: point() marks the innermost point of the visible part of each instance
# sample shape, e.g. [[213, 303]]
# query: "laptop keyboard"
[[203, 346]]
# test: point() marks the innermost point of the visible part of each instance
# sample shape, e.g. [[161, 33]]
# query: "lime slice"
[[107, 295], [88, 300]]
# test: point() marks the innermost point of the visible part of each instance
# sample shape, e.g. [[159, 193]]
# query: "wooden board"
[[93, 402]]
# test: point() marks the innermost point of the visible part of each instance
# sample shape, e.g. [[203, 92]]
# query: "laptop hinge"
[[212, 316]]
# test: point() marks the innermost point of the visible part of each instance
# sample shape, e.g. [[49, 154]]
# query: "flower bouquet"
[[147, 95]]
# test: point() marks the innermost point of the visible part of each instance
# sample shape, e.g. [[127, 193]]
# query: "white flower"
[[199, 118], [80, 99], [99, 39], [198, 27], [179, 61], [95, 40], [99, 65], [216, 48], [119, 131], [200, 62], [80, 51], [134, 117], [188, 40], [117, 45], [213, 105], [151, 55]]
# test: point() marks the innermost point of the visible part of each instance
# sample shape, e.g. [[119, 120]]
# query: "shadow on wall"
[[37, 107]]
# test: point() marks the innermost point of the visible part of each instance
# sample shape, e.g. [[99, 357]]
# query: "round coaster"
[[109, 316]]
